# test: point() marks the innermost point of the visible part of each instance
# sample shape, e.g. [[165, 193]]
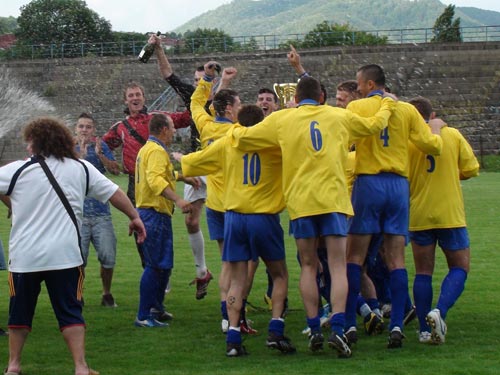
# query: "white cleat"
[[438, 327]]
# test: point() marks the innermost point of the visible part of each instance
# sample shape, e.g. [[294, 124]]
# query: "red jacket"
[[118, 135]]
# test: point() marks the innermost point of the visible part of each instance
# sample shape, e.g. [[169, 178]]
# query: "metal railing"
[[239, 43]]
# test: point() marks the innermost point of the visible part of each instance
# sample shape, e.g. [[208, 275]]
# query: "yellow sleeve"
[[467, 162], [365, 126], [421, 134], [204, 162], [257, 137], [155, 171], [198, 100]]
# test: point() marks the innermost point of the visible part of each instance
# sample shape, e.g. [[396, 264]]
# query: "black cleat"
[[339, 343], [235, 350], [282, 343]]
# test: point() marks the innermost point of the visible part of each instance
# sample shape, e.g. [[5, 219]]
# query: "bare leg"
[[309, 267], [75, 340], [279, 274], [336, 247], [238, 275], [106, 277], [225, 275], [17, 338]]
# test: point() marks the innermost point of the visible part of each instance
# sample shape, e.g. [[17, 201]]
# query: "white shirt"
[[43, 237]]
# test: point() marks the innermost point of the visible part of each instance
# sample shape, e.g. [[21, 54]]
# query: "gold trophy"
[[285, 92]]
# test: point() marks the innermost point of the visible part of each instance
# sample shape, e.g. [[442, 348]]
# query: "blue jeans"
[[100, 231]]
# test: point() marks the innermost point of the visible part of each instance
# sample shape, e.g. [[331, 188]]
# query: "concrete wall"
[[462, 80]]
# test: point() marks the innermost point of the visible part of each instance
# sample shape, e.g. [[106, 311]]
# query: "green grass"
[[490, 163], [193, 344]]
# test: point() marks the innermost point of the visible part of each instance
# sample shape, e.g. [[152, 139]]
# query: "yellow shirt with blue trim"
[[252, 180], [314, 142], [210, 130], [387, 151], [436, 199], [154, 172]]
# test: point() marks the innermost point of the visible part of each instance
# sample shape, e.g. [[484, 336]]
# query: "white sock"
[[365, 310], [197, 243]]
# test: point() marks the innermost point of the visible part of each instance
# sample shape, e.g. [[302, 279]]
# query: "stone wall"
[[462, 81]]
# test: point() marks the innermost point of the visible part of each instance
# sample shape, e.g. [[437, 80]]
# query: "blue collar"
[[157, 141], [222, 119], [308, 102], [375, 93]]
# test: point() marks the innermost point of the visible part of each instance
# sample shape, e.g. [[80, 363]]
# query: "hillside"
[[248, 17]]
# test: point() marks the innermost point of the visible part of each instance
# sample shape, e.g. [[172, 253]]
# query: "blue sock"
[[277, 326], [223, 310], [422, 294], [233, 336], [451, 288], [399, 293], [147, 293], [354, 279], [337, 323], [314, 324], [163, 277], [373, 303]]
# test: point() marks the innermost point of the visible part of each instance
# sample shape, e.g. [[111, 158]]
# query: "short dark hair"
[[200, 68], [350, 86], [423, 106], [308, 88], [157, 123], [373, 72], [86, 115], [222, 99], [250, 114], [325, 93], [265, 90], [50, 137]]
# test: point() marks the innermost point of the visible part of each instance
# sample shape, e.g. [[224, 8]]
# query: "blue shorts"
[[448, 239], [250, 236], [333, 224], [157, 249], [99, 230], [65, 289], [381, 204], [215, 223]]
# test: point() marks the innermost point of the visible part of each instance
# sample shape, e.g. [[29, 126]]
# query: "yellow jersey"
[[314, 142], [436, 199]]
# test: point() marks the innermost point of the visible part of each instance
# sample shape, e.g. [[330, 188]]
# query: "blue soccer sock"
[[233, 335], [277, 326], [223, 310], [451, 288], [399, 293], [314, 324], [337, 323], [163, 277], [422, 294], [354, 279], [147, 293]]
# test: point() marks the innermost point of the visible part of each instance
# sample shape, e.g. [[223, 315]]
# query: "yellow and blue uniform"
[[436, 199], [314, 143], [253, 197], [153, 174], [210, 129]]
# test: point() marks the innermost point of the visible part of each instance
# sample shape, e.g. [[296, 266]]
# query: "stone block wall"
[[462, 81]]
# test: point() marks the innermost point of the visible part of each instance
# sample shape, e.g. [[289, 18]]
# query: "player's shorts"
[[215, 223], [250, 236], [65, 291], [448, 239], [332, 224], [157, 249], [192, 195], [381, 204], [99, 230]]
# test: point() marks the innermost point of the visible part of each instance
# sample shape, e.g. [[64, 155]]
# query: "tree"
[[333, 34], [61, 21], [445, 29], [7, 25], [208, 40]]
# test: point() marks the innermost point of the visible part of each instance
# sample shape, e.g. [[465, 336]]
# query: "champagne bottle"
[[147, 51]]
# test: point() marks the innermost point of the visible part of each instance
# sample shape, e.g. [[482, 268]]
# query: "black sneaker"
[[352, 336], [235, 350], [282, 343], [395, 339], [339, 343], [316, 341], [3, 332], [108, 300], [373, 324]]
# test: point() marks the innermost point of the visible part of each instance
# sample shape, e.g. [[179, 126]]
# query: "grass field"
[[194, 344]]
